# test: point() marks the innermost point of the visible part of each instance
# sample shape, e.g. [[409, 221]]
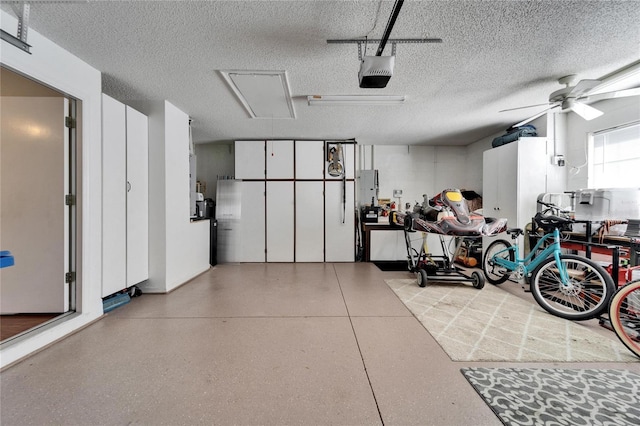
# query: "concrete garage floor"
[[249, 344]]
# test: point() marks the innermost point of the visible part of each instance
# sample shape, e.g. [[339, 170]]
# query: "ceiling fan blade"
[[585, 111], [612, 95], [533, 117], [583, 87], [523, 107]]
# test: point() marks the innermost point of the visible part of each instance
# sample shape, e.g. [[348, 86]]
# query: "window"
[[615, 157]]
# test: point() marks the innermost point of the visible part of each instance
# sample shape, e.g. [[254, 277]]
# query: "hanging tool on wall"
[[334, 156], [336, 169], [344, 190]]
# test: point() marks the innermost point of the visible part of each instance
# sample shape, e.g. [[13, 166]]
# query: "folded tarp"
[[513, 134]]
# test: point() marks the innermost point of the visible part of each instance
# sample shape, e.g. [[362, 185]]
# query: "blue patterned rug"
[[542, 396]]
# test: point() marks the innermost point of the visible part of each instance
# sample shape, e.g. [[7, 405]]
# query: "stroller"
[[446, 214]]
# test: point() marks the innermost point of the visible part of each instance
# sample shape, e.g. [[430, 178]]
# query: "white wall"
[[418, 170], [178, 248], [187, 242], [54, 66], [428, 170]]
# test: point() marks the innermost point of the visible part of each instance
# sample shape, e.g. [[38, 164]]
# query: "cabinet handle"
[[128, 186]]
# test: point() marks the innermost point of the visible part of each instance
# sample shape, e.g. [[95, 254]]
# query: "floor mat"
[[494, 325], [541, 396], [387, 265]]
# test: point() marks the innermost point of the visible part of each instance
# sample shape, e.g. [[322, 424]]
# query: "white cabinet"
[[387, 245], [513, 176], [279, 156], [249, 159], [339, 221], [280, 221], [137, 197], [309, 220], [252, 222], [125, 192], [310, 159], [114, 196], [291, 211]]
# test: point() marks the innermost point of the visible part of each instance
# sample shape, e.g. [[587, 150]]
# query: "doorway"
[[37, 204]]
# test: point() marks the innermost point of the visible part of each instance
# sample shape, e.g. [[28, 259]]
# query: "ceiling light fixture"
[[264, 94], [319, 100]]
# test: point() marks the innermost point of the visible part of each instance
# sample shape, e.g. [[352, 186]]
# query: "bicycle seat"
[[550, 222], [515, 232]]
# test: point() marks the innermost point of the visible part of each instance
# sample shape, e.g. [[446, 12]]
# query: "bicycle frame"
[[532, 260]]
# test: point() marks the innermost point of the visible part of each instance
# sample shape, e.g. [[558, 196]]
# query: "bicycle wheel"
[[585, 296], [496, 274], [624, 313]]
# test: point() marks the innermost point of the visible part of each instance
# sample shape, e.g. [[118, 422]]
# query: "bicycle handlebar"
[[553, 207]]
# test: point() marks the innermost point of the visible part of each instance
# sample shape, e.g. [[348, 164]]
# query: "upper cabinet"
[[279, 158], [250, 160], [310, 159]]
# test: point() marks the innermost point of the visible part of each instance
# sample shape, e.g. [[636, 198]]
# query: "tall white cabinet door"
[[310, 159], [339, 222], [280, 221], [309, 221], [249, 160], [279, 159], [114, 202], [137, 197], [513, 177], [500, 182], [348, 153], [252, 222]]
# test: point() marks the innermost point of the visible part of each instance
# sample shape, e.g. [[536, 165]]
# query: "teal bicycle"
[[568, 286]]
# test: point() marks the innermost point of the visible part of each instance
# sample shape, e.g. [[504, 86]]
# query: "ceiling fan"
[[574, 98]]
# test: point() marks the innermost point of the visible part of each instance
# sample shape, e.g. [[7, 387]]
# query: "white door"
[[280, 221], [252, 223], [309, 221], [33, 215], [137, 197], [114, 201], [279, 159], [249, 160], [507, 183], [339, 222], [310, 159], [490, 173]]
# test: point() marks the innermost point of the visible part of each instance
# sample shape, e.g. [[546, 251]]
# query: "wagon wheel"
[[478, 280], [422, 277]]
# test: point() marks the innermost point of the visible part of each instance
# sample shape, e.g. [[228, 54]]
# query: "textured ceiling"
[[495, 55]]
